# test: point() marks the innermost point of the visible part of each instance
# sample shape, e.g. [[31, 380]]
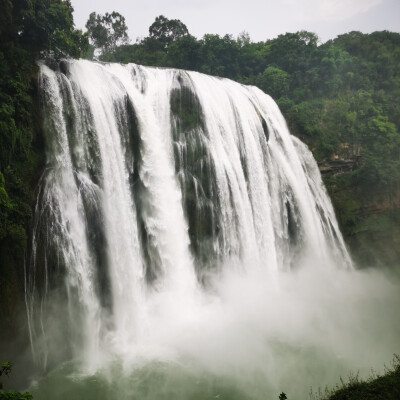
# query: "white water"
[[179, 215]]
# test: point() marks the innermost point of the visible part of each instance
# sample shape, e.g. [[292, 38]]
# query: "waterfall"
[[158, 183]]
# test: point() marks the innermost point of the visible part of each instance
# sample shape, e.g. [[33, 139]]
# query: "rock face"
[[369, 217], [377, 241], [339, 166]]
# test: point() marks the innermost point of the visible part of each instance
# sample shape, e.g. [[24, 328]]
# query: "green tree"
[[46, 27], [274, 81], [167, 30], [107, 31], [184, 53], [220, 55], [5, 369]]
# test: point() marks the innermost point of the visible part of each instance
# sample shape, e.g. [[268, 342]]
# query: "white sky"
[[262, 19]]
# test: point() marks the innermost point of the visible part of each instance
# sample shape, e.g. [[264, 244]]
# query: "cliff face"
[[19, 175], [369, 216], [338, 166], [376, 242]]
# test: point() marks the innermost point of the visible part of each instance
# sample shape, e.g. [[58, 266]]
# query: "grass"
[[376, 387]]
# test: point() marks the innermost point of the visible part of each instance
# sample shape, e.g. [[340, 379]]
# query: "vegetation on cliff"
[[5, 370], [29, 30], [377, 387]]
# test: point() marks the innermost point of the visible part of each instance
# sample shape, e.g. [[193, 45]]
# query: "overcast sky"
[[262, 19]]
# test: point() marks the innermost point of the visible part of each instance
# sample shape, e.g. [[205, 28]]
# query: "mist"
[[250, 336]]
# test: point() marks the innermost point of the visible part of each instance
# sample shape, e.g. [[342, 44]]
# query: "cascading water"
[[160, 185]]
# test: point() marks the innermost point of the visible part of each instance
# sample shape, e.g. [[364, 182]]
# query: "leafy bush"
[[5, 369]]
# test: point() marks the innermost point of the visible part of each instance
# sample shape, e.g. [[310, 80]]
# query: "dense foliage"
[[107, 31], [167, 30], [5, 370], [29, 30]]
